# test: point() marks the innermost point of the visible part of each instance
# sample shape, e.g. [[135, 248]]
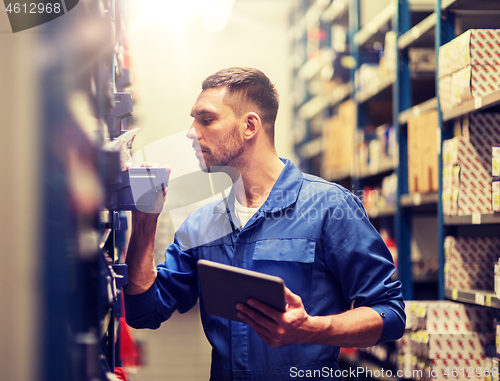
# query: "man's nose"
[[191, 132]]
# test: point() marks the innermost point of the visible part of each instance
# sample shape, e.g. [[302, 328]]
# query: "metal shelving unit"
[[380, 213], [449, 11], [394, 90], [409, 95], [474, 219], [371, 171], [430, 28], [382, 89], [79, 267], [418, 199], [417, 110], [479, 297], [476, 104], [320, 102]]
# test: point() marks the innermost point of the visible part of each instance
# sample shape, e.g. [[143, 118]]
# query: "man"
[[313, 234]]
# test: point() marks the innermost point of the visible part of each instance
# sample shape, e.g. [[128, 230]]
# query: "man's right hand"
[[140, 253], [160, 198]]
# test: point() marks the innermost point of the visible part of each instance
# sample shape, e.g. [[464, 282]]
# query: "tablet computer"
[[224, 286]]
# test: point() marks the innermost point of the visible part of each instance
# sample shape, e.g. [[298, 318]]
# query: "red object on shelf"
[[349, 354], [317, 34], [128, 348], [120, 373]]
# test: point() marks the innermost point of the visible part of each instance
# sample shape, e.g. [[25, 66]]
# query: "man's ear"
[[253, 125]]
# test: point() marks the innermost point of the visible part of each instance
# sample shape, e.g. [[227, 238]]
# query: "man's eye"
[[207, 121]]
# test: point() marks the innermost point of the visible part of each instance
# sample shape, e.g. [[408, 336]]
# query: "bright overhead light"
[[176, 14], [216, 14]]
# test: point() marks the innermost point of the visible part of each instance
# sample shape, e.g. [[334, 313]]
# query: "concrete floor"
[[178, 350]]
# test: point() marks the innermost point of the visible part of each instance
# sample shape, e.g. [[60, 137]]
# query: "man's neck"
[[256, 181]]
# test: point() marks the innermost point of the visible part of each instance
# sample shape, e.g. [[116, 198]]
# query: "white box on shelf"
[[495, 195], [495, 161], [468, 345], [469, 275], [473, 249], [473, 47]]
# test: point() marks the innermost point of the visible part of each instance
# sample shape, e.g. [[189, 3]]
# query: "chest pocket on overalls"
[[290, 259]]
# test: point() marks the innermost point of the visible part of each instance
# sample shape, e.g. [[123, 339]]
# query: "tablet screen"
[[224, 286]]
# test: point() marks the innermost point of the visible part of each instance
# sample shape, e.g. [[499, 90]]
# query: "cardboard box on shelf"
[[497, 292], [473, 47], [469, 264], [495, 161], [495, 195], [484, 80], [472, 155], [472, 249], [443, 316], [458, 150], [451, 187], [461, 86], [414, 160], [446, 98], [449, 346], [468, 83], [422, 153], [339, 138], [442, 335], [484, 133], [469, 275], [465, 154], [454, 200], [411, 307], [446, 62], [446, 200], [473, 197], [430, 153], [469, 67]]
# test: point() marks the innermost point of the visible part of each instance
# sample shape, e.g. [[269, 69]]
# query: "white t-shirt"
[[243, 213]]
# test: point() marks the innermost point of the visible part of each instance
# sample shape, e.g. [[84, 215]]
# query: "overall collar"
[[284, 193]]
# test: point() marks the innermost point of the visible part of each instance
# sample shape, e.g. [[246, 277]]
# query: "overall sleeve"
[[362, 263], [175, 288]]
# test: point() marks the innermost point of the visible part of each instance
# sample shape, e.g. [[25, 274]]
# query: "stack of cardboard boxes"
[[470, 262], [445, 340], [469, 67], [467, 166], [423, 153]]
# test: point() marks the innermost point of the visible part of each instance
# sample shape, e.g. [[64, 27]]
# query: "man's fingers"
[[262, 309], [291, 298], [165, 188], [160, 197], [147, 164]]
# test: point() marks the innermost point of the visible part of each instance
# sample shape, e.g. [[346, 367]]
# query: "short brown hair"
[[247, 85]]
